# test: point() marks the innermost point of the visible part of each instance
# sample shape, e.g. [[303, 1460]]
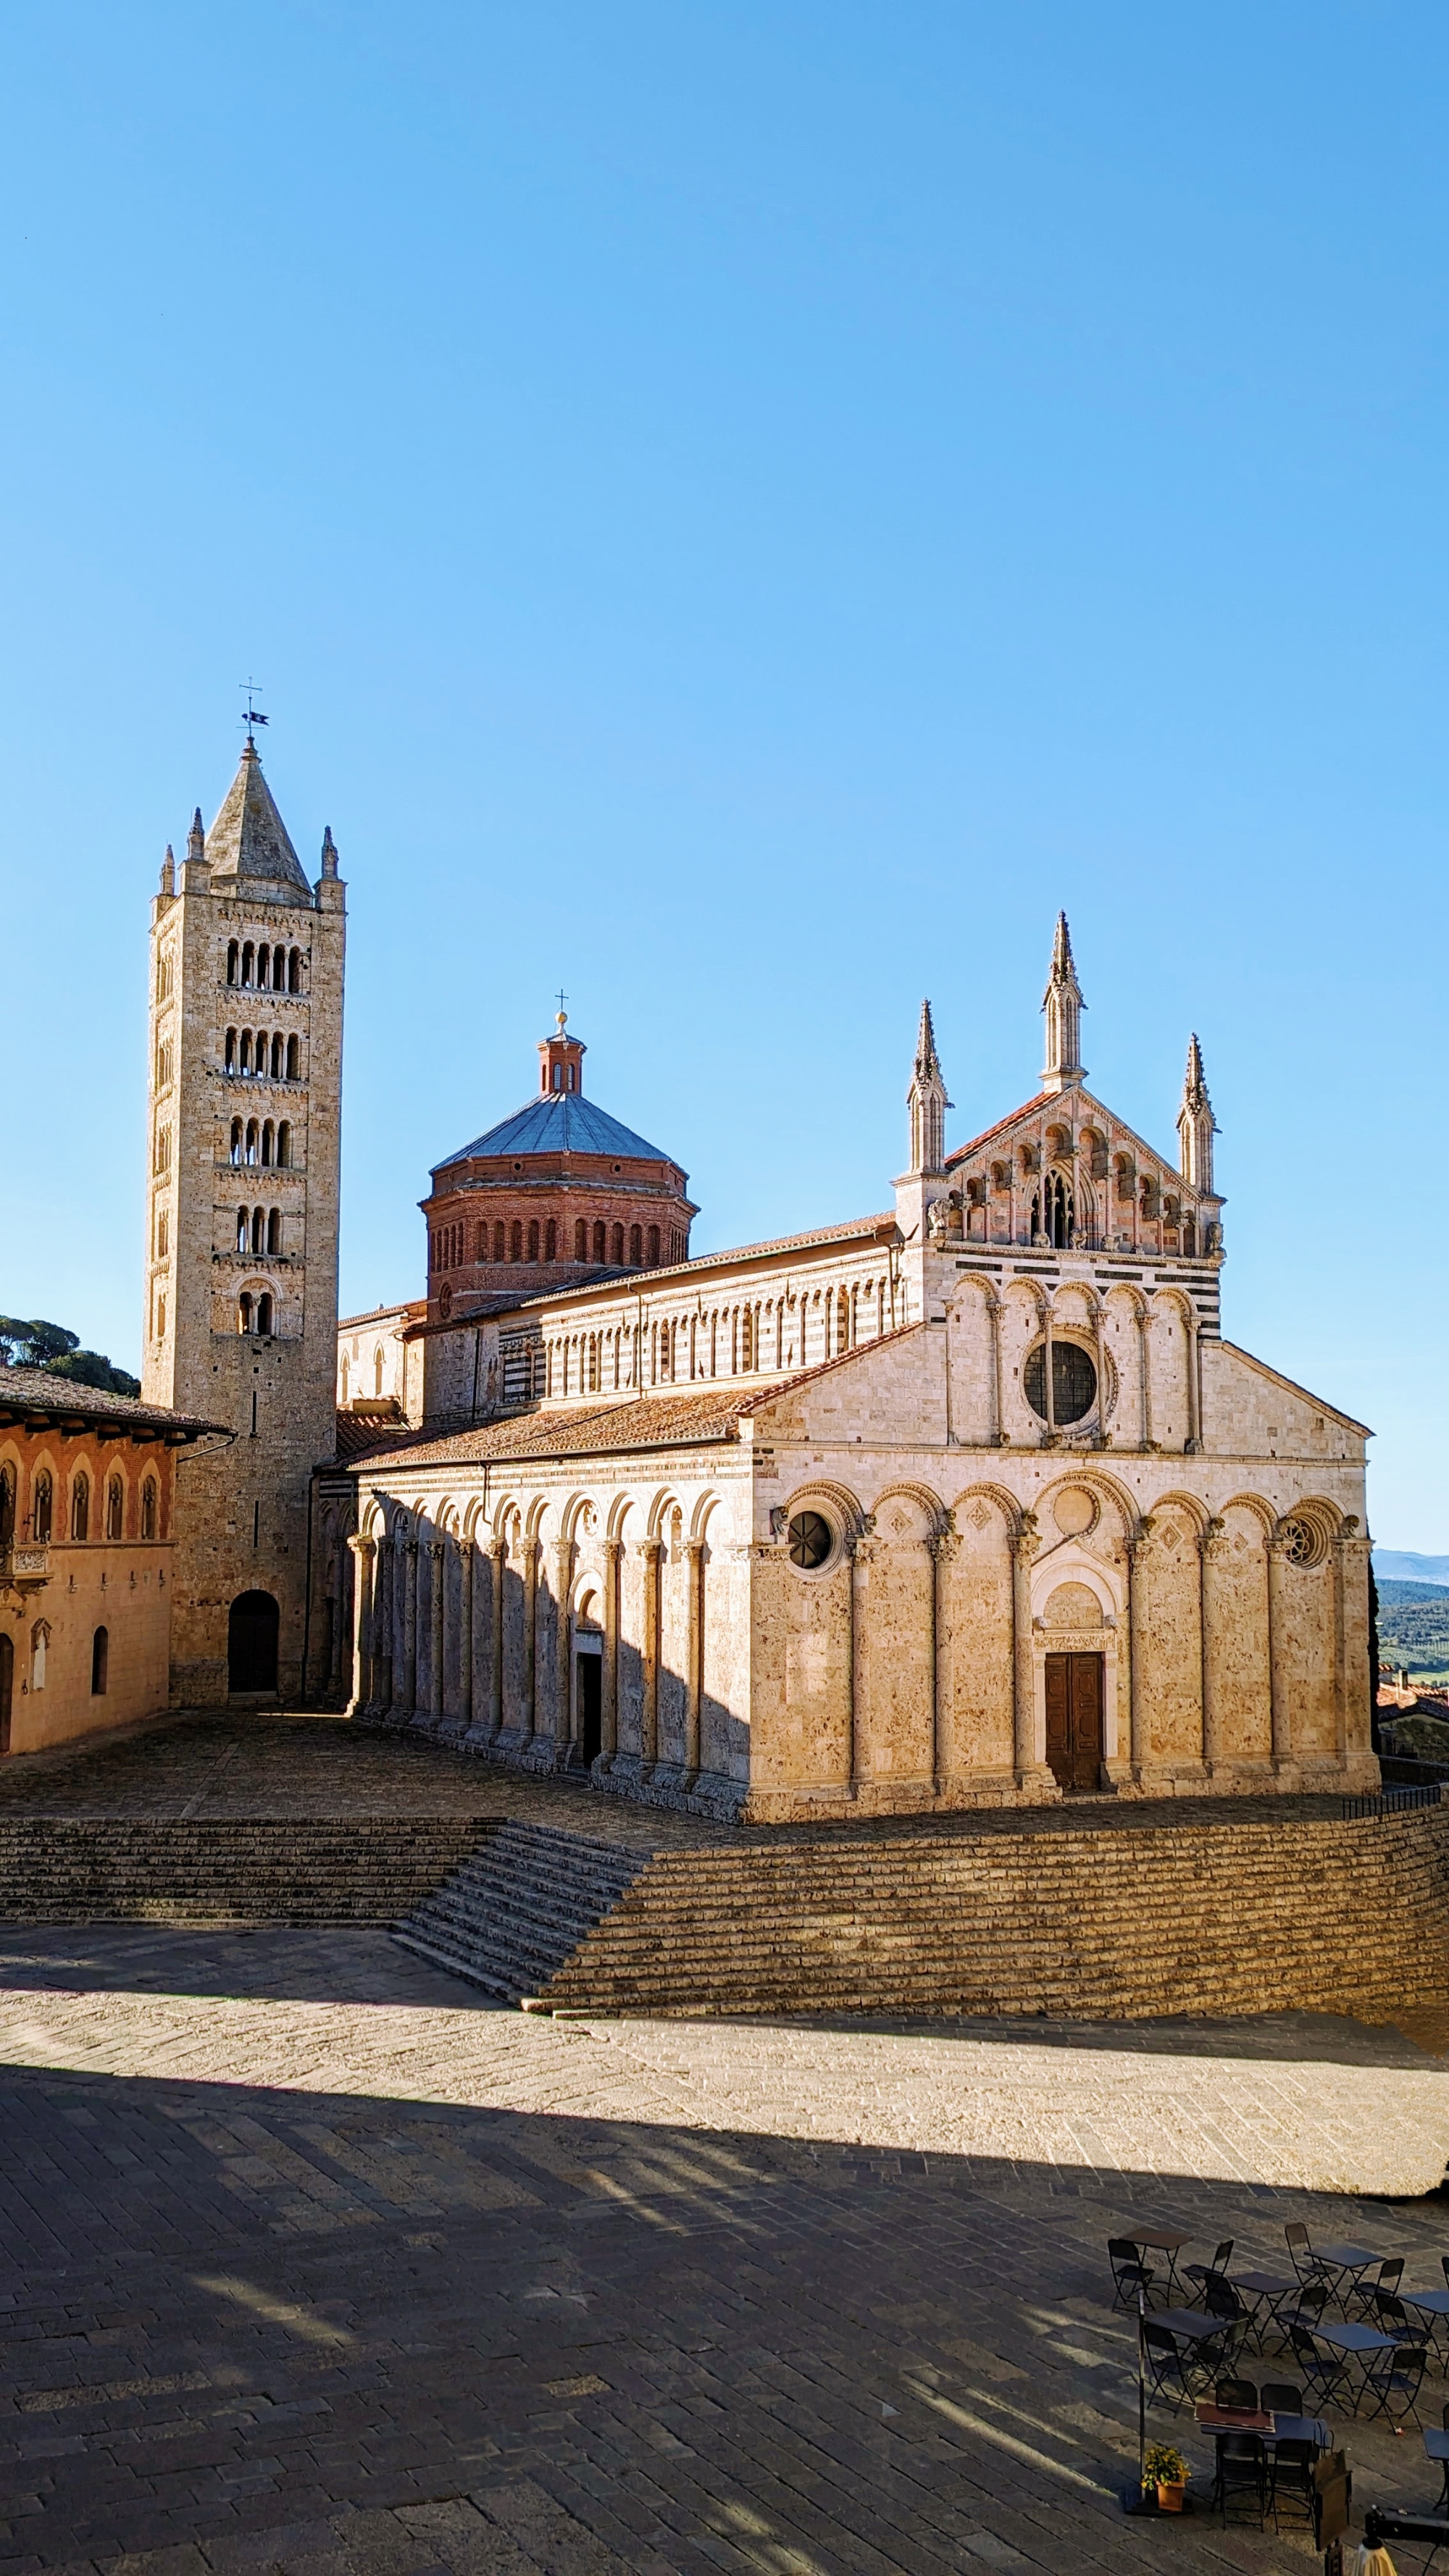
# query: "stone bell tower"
[[241, 1228]]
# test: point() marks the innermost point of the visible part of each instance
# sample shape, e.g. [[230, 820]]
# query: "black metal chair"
[[1280, 2397], [1365, 2291], [1167, 2371], [1219, 2263], [1290, 2480], [1392, 2318], [1129, 2273], [1392, 2380], [1305, 2261], [1307, 2308], [1219, 2297], [1237, 2392], [1444, 2268], [1322, 2368], [1242, 2473]]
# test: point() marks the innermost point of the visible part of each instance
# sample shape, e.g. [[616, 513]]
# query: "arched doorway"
[[7, 1682], [251, 1643]]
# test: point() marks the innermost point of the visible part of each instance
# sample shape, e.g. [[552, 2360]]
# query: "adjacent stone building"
[[247, 961], [963, 1503], [87, 1556]]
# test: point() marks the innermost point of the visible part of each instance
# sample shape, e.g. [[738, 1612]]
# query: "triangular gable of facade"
[[1050, 1104], [1316, 1404]]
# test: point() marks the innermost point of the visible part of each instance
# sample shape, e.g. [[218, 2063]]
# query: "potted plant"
[[1167, 2470]]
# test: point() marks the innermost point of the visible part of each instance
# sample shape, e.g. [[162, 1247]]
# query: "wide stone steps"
[[515, 1912], [120, 1869], [1317, 1915]]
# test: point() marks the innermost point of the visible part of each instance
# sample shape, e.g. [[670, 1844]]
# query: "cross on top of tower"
[[254, 715]]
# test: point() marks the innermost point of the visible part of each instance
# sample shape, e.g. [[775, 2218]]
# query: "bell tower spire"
[[1063, 1004], [927, 1101], [1196, 1125]]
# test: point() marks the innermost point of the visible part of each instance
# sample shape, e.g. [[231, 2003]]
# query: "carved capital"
[[436, 1547], [363, 1548], [651, 1550]]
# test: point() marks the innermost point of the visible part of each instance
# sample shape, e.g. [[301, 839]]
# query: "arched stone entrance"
[[251, 1643]]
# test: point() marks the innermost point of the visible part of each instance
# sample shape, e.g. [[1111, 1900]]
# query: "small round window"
[[1303, 1543], [811, 1540], [1074, 1382]]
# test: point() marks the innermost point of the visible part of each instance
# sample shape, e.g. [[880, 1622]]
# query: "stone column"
[[1049, 1396], [1350, 1631], [609, 1678], [496, 1553], [1137, 1592], [437, 1588], [694, 1679], [382, 1626], [530, 1636], [1215, 1555], [998, 1405], [1144, 1374], [1024, 1546], [1194, 1388], [1100, 1320], [861, 1552], [1278, 1654], [943, 1546], [364, 1554], [466, 1553], [563, 1563], [651, 1551], [408, 1697]]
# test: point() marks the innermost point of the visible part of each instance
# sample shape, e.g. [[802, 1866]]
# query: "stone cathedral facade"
[[964, 1502], [240, 1326]]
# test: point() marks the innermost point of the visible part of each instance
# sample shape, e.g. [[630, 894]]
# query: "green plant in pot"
[[1167, 2470]]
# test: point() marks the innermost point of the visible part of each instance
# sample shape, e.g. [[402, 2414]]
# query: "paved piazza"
[[318, 2262]]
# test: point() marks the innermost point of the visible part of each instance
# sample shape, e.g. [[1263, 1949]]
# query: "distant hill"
[[1414, 1627], [1401, 1565]]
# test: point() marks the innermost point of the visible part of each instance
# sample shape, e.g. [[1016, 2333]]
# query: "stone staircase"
[[224, 1869], [520, 1907], [1223, 1917]]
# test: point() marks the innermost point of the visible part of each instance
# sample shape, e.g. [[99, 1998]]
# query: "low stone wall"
[[1233, 1917]]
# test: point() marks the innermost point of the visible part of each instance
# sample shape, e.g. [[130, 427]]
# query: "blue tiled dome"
[[559, 1123]]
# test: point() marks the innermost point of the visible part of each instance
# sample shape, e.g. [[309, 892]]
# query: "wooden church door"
[[1074, 1719]]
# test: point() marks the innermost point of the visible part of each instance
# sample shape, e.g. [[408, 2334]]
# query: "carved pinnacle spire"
[[1063, 1005], [927, 1101], [196, 838], [168, 871], [1196, 1125], [329, 852]]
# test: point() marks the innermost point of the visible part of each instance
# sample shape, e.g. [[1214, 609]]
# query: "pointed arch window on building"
[[268, 1139], [163, 977], [7, 1506], [228, 1052], [274, 1230], [581, 1239], [115, 1509], [42, 1507], [248, 963], [636, 1248], [279, 1057], [550, 1240], [533, 1240], [236, 1140], [617, 1255], [80, 1507], [284, 1146], [244, 1311], [251, 1143], [654, 1247], [264, 1311], [294, 1059], [233, 961], [243, 1053], [148, 1508], [294, 971], [515, 1241]]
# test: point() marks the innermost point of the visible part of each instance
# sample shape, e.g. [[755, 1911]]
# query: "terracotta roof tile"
[[37, 1391]]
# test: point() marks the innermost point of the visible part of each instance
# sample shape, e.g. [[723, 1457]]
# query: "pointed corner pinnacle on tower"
[[168, 871], [329, 852], [196, 838], [1063, 1004], [1196, 1125], [927, 1101]]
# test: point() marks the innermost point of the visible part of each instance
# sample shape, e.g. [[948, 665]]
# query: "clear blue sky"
[[744, 510]]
